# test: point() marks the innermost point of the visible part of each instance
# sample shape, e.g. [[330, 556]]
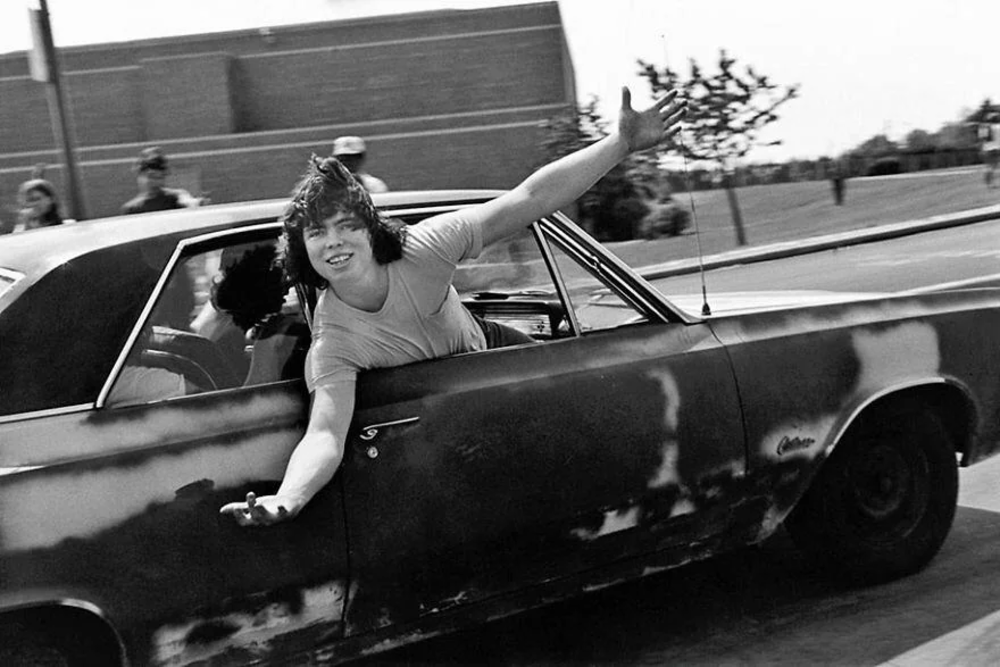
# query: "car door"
[[475, 475], [121, 511]]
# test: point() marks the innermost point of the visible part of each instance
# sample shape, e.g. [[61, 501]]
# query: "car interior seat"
[[193, 356]]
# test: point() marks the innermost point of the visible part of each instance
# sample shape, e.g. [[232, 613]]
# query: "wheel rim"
[[888, 487]]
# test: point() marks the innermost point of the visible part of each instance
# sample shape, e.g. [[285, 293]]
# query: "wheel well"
[[951, 405], [81, 634]]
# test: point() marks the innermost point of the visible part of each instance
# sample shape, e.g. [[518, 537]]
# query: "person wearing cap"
[[351, 153], [385, 292], [151, 174]]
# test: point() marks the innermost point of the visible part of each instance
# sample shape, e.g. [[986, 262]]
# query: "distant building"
[[445, 99]]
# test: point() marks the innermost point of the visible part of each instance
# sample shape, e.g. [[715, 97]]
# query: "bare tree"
[[726, 112]]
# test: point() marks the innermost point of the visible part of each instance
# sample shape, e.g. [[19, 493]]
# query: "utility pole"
[[45, 69]]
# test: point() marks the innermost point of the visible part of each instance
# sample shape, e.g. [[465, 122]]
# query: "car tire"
[[883, 503]]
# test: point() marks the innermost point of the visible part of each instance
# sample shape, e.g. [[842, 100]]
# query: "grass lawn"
[[788, 211]]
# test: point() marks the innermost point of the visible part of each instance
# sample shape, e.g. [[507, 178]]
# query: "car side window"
[[595, 305], [510, 284], [224, 319]]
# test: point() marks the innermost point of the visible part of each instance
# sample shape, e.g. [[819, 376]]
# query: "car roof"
[[31, 255]]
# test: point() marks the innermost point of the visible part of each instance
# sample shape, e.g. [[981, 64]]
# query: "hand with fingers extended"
[[262, 511], [645, 129]]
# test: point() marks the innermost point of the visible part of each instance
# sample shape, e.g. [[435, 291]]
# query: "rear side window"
[[226, 318]]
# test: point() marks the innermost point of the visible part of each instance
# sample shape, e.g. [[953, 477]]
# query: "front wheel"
[[883, 503]]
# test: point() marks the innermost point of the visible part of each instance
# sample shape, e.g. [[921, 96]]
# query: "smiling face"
[[340, 248]]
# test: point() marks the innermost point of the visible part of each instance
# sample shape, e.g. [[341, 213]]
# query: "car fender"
[[936, 392], [929, 390]]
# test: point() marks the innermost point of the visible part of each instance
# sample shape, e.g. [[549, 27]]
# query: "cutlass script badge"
[[793, 444]]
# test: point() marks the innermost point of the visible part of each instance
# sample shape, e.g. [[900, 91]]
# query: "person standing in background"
[[838, 179], [351, 152], [989, 134], [151, 174], [38, 205]]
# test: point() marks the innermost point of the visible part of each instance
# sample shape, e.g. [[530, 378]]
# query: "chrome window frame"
[[607, 268]]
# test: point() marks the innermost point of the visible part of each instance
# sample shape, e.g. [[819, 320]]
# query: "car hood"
[[737, 303]]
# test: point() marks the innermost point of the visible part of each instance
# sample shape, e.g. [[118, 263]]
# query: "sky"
[[864, 67]]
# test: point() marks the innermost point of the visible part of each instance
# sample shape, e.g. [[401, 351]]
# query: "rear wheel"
[[882, 505]]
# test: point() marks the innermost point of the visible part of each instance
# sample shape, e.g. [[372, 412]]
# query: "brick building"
[[444, 99]]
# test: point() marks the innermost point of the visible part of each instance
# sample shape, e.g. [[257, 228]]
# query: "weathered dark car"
[[630, 437]]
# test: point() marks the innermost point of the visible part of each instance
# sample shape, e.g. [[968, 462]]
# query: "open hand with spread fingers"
[[645, 129], [262, 511]]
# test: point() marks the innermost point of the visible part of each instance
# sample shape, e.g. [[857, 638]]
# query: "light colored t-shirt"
[[422, 317]]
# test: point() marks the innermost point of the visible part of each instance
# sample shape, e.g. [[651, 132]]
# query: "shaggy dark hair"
[[250, 286], [328, 188]]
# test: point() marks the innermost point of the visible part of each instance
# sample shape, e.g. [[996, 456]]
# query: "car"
[[632, 435]]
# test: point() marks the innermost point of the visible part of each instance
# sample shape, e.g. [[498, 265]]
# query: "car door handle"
[[369, 432]]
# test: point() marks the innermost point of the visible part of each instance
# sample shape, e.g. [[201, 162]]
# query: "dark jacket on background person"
[[162, 200]]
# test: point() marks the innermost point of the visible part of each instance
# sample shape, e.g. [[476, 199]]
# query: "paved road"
[[957, 254], [766, 606]]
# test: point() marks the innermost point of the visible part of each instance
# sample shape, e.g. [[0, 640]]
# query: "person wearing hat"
[[351, 153], [151, 173]]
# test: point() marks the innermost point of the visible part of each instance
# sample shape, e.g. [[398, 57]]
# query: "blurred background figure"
[[38, 204], [989, 134], [351, 152], [151, 172], [838, 180]]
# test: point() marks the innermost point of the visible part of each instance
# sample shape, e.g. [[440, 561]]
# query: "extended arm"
[[312, 464], [560, 183]]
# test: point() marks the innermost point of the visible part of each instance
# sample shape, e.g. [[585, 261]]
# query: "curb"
[[818, 243]]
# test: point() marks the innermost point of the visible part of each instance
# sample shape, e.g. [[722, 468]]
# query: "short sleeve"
[[453, 236], [324, 368]]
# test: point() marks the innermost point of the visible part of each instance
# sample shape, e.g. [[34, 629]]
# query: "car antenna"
[[706, 310]]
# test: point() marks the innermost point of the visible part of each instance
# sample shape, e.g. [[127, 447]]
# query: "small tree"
[[726, 112]]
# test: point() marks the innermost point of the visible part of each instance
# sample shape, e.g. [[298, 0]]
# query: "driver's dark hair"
[[328, 188]]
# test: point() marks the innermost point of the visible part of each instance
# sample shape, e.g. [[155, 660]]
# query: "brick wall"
[[445, 99], [187, 96]]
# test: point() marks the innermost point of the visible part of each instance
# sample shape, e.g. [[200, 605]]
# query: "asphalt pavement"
[[967, 255]]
